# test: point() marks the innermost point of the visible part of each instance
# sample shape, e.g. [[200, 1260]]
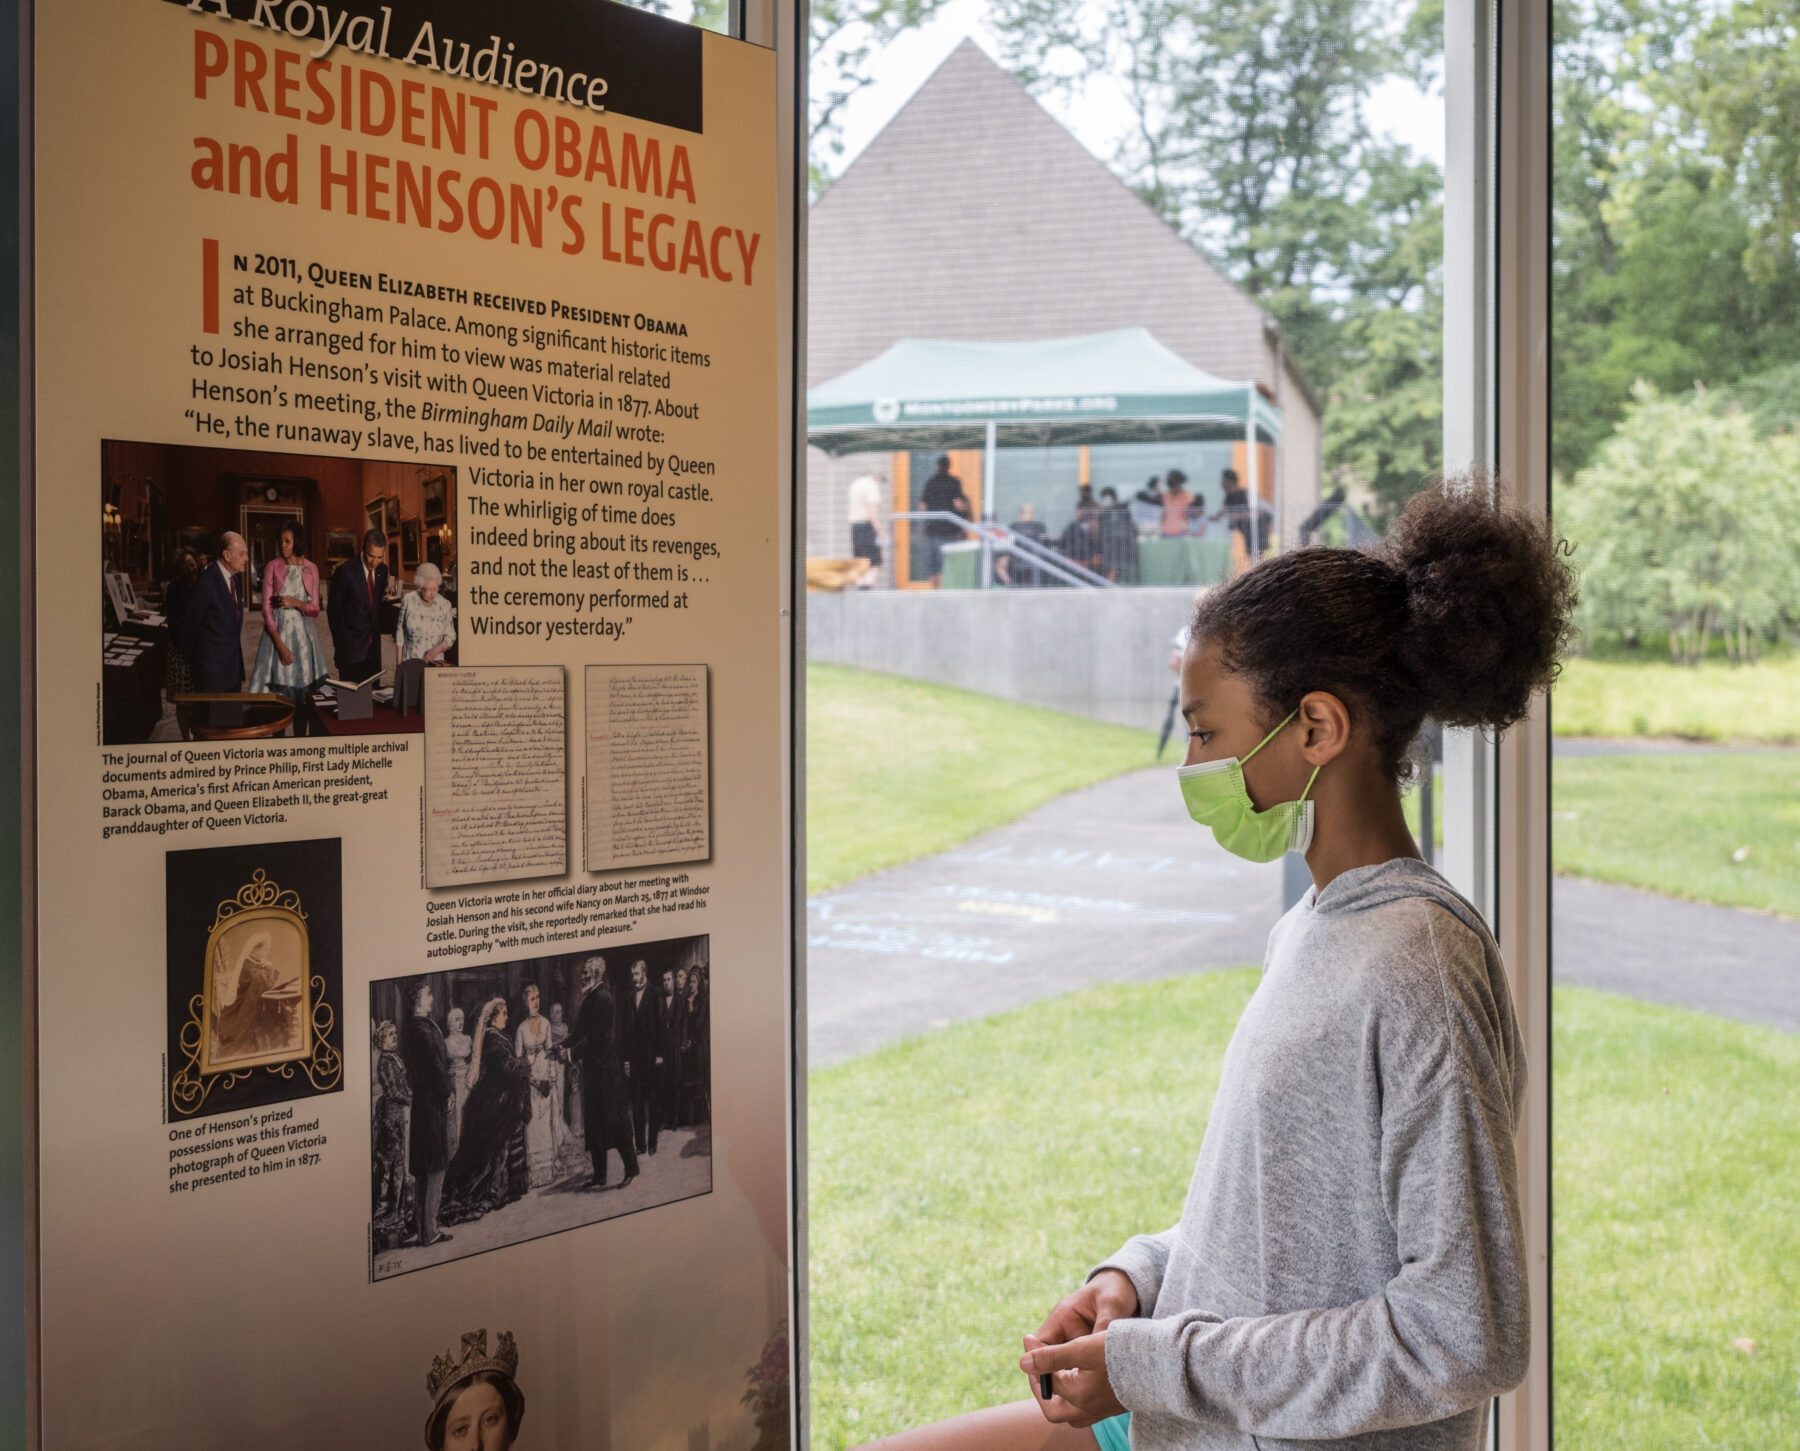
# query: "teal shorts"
[[1114, 1433]]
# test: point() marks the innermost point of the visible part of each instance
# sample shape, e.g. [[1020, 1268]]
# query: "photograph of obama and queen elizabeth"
[[504, 1094]]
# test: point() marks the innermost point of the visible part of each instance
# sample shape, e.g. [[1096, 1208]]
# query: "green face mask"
[[1217, 797]]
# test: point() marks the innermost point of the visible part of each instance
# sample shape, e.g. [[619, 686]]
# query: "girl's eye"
[[1202, 736]]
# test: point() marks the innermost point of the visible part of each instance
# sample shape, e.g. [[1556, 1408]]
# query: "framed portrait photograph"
[[409, 543], [258, 1006], [255, 970], [340, 548], [383, 512], [436, 492]]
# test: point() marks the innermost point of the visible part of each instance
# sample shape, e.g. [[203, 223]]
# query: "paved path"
[[1110, 884], [1723, 960], [1563, 746], [1115, 884]]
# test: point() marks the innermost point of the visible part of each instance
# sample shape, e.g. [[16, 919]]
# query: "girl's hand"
[[1082, 1393], [291, 602], [1109, 1296], [287, 655]]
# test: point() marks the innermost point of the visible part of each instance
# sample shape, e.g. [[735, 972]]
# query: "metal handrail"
[[998, 538], [1040, 552]]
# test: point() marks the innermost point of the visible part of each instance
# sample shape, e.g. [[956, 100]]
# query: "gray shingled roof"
[[976, 215]]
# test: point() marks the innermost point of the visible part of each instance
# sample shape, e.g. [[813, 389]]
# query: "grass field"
[[962, 1182], [1676, 1203], [897, 769], [1716, 827], [1648, 697]]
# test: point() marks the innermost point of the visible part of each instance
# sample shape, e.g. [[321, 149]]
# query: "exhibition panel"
[[409, 980]]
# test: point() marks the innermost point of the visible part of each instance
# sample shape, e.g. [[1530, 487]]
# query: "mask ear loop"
[[1272, 734]]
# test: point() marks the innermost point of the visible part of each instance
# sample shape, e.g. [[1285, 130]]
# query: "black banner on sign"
[[590, 54]]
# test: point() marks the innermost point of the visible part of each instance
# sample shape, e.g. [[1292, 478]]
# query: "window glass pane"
[[707, 14], [1063, 377], [1676, 797]]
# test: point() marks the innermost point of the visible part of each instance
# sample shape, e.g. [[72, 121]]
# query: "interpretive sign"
[[410, 1042]]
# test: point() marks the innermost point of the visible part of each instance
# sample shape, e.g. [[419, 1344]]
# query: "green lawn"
[[897, 769], [1677, 1229], [961, 1182], [1676, 824], [1648, 697], [1409, 803]]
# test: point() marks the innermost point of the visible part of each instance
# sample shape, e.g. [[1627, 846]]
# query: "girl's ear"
[[1324, 727]]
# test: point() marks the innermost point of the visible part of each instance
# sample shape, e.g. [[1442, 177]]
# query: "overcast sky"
[[1399, 108]]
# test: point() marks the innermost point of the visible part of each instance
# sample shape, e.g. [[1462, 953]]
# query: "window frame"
[[1497, 415]]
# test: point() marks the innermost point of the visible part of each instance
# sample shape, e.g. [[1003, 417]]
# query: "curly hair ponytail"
[[1459, 615]]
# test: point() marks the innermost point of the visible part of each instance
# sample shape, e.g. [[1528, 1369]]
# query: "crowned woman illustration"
[[476, 1404]]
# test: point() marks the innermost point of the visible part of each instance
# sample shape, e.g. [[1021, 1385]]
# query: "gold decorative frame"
[[321, 1063]]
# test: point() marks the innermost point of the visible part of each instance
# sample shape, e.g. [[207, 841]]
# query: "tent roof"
[[1112, 387]]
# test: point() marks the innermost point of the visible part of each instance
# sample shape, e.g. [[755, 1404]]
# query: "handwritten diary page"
[[495, 771], [648, 763]]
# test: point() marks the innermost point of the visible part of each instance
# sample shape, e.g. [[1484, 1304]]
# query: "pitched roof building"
[[976, 216]]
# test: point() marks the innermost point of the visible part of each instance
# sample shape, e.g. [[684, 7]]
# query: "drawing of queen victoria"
[[476, 1404]]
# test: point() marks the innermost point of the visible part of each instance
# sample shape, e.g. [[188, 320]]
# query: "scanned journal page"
[[648, 759], [496, 764]]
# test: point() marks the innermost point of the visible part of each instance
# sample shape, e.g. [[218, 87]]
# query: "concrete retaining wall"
[[1097, 653]]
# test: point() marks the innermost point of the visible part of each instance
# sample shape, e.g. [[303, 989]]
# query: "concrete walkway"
[[1116, 884], [1723, 960], [1110, 884], [1566, 746]]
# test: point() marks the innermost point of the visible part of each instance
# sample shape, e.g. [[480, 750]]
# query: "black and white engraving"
[[519, 1099]]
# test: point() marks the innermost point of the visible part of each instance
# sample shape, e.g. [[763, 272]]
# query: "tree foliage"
[[847, 36], [1677, 199], [1676, 191], [1251, 135], [1684, 523]]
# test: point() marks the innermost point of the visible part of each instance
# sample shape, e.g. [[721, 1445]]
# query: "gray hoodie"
[[1349, 1263]]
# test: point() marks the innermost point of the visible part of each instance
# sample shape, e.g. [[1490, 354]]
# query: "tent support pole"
[[987, 506], [1250, 462], [1282, 541]]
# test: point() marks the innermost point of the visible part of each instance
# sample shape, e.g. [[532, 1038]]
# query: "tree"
[[1384, 427], [1251, 136], [711, 15], [847, 35], [1675, 171], [1744, 88], [1684, 523]]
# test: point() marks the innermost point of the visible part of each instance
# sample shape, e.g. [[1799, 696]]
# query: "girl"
[[290, 660], [1348, 1265]]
